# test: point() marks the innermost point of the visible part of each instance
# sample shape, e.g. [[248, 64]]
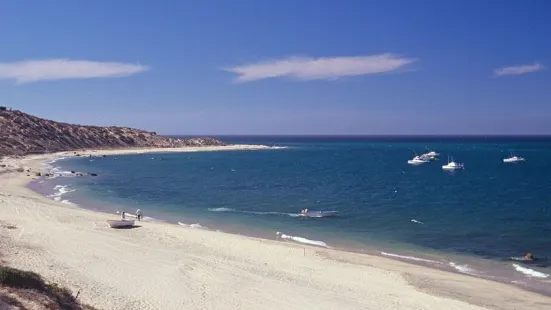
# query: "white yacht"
[[513, 159], [417, 160], [452, 165], [431, 155]]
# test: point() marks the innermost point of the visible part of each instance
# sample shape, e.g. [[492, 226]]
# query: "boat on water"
[[431, 155], [120, 223], [452, 165], [308, 213], [417, 160], [513, 159]]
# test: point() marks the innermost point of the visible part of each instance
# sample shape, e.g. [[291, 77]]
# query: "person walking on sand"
[[123, 215], [139, 214]]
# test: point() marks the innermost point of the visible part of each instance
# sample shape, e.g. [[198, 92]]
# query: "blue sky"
[[282, 67]]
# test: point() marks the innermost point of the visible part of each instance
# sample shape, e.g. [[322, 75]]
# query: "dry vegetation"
[[25, 290]]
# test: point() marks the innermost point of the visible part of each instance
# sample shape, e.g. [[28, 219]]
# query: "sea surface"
[[470, 221]]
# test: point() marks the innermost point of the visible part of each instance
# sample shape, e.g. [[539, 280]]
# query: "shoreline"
[[373, 281]]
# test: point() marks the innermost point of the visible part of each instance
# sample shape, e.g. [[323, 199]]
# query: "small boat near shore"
[[120, 223], [309, 213]]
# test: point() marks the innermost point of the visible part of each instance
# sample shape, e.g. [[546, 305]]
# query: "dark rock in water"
[[77, 155], [38, 174], [22, 134], [104, 156], [72, 171], [47, 175], [94, 174], [3, 166], [80, 174]]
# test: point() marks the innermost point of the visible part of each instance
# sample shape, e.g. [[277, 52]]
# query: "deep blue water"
[[489, 210]]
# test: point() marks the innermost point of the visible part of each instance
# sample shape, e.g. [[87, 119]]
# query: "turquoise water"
[[490, 210]]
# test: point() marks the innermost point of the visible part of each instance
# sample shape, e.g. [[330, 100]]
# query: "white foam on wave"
[[302, 240], [60, 190], [530, 272], [253, 212], [196, 225], [418, 259], [463, 268], [57, 172], [416, 221], [270, 213], [278, 147], [54, 160], [67, 202], [221, 210]]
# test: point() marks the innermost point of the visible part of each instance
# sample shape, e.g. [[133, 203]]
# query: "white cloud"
[[59, 69], [305, 68], [517, 70]]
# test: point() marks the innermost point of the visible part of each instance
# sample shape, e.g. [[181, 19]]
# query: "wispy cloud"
[[518, 70], [60, 69], [305, 68]]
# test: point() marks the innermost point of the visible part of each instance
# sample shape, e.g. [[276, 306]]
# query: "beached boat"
[[320, 213], [120, 223], [513, 159], [452, 165]]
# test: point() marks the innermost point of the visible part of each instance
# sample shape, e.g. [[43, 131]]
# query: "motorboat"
[[513, 159], [430, 156], [309, 213], [417, 160], [120, 223], [452, 165]]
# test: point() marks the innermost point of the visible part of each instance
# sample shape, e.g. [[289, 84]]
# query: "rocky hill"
[[22, 134]]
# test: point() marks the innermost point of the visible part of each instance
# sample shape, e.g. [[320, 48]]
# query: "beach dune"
[[164, 266]]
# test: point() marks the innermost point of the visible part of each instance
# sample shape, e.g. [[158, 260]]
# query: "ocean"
[[470, 221]]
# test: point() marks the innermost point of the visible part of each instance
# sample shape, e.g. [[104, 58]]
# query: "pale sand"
[[164, 266]]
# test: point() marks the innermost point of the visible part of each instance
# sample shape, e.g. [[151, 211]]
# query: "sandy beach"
[[163, 266]]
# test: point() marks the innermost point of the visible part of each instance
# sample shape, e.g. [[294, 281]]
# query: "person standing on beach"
[[139, 214], [123, 215]]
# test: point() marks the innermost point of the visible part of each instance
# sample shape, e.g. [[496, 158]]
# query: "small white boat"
[[417, 160], [431, 155], [120, 223], [452, 165], [513, 159]]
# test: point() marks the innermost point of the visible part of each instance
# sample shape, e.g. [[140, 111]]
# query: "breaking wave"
[[418, 259], [463, 268], [60, 190], [253, 212], [196, 225], [302, 240], [530, 272]]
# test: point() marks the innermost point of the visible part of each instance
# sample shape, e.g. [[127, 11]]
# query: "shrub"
[[28, 280], [21, 279]]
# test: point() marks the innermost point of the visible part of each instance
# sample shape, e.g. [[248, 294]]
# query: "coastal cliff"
[[21, 134]]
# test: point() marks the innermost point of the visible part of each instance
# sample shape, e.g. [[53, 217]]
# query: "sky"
[[281, 67]]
